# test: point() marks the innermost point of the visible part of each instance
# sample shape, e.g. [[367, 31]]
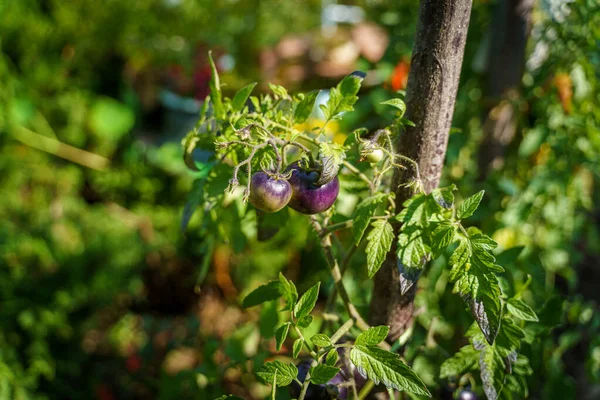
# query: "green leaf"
[[307, 302], [288, 291], [195, 197], [386, 367], [363, 213], [267, 292], [322, 373], [332, 155], [332, 357], [372, 336], [305, 321], [286, 372], [443, 235], [215, 89], [240, 98], [397, 103], [321, 340], [342, 97], [521, 310], [418, 210], [281, 333], [305, 107], [483, 241], [379, 242], [444, 196], [492, 372], [110, 119], [412, 250], [279, 91], [297, 347], [459, 363], [468, 207]]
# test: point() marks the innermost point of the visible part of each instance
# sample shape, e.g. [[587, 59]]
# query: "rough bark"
[[509, 33], [430, 96]]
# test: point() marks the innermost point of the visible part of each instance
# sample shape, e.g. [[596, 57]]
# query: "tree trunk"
[[506, 60], [430, 96]]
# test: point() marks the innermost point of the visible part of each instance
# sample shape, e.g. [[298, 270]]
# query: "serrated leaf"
[[332, 155], [321, 373], [459, 260], [386, 367], [305, 321], [521, 310], [412, 250], [418, 210], [444, 196], [240, 98], [483, 241], [332, 357], [267, 292], [321, 340], [379, 243], [363, 213], [443, 235], [396, 103], [297, 347], [288, 291], [468, 207], [286, 372], [491, 367], [307, 302], [372, 336], [342, 97], [215, 89], [459, 363], [280, 335], [305, 107]]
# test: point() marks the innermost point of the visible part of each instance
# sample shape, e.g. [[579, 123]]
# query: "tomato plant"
[[249, 133]]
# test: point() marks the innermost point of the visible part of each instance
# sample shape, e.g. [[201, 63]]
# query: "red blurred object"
[[104, 393], [133, 363], [399, 77]]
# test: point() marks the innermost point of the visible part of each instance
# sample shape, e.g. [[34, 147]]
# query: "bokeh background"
[[103, 296]]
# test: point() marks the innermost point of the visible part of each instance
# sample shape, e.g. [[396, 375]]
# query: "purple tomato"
[[307, 197], [269, 193]]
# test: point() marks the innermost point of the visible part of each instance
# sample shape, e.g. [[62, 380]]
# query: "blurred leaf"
[[215, 90], [267, 292], [521, 310], [322, 373], [196, 196], [111, 119], [459, 363], [332, 357], [305, 321]]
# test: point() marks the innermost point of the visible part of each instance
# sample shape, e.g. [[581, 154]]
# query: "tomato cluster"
[[297, 188]]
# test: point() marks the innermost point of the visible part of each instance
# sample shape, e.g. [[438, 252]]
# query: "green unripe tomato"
[[371, 155]]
